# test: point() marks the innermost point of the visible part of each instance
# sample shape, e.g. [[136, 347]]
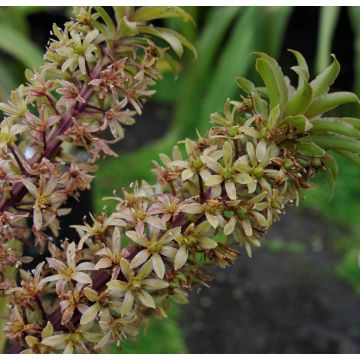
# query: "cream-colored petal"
[[230, 226], [127, 303], [139, 259], [146, 299], [81, 278], [230, 189], [192, 208], [181, 257], [158, 265], [90, 314], [213, 180]]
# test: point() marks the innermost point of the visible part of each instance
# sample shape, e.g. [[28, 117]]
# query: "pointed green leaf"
[[300, 122], [355, 158], [355, 122], [333, 142], [310, 149], [328, 102], [303, 95], [261, 106], [245, 84], [147, 13], [274, 117], [325, 125], [277, 75], [173, 37], [326, 78]]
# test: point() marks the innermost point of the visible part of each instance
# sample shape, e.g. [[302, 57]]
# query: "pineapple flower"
[[8, 132], [228, 173], [111, 256], [72, 341], [117, 328], [102, 303], [69, 271], [70, 94], [167, 205], [38, 86], [194, 238], [212, 209], [194, 164], [15, 109], [39, 125], [98, 230], [17, 328], [35, 345], [138, 215], [47, 201], [115, 118], [136, 286], [78, 52], [256, 161], [31, 285], [247, 216], [112, 78], [136, 93], [154, 247], [72, 300]]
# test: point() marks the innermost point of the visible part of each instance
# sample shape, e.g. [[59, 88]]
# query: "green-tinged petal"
[[207, 243], [55, 340], [139, 259], [90, 314], [146, 299], [127, 303], [329, 102], [81, 278], [158, 265], [213, 180], [230, 226], [230, 189], [155, 284], [181, 257]]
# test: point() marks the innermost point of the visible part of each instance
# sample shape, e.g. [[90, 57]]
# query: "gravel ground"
[[283, 301]]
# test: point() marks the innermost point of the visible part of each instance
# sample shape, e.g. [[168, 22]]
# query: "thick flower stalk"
[[214, 197], [98, 73]]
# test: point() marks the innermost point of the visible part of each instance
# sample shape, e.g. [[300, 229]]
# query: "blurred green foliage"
[[224, 38]]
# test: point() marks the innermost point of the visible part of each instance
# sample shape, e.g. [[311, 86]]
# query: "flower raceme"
[[213, 197], [98, 73]]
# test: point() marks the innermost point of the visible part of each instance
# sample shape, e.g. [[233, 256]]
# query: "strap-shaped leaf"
[[269, 64], [107, 19], [261, 106], [172, 37], [329, 125], [147, 13], [310, 149], [274, 118], [326, 78], [355, 158], [245, 84], [264, 69], [300, 60], [355, 122], [303, 95], [333, 142], [328, 102], [300, 122]]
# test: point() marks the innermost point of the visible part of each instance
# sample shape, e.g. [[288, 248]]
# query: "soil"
[[279, 301]]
